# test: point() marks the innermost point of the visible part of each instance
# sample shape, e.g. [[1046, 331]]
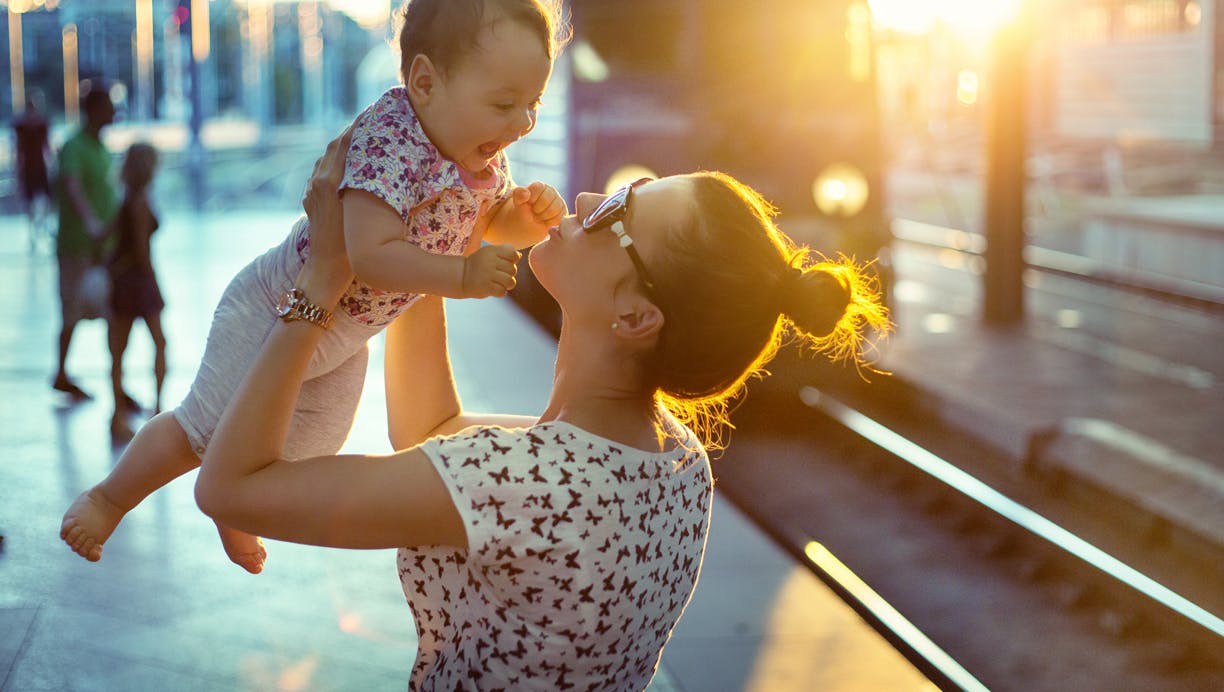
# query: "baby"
[[425, 164]]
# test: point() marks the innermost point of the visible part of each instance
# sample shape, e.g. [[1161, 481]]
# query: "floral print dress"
[[390, 157]]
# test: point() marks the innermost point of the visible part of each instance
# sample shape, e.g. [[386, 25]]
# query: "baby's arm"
[[374, 235]]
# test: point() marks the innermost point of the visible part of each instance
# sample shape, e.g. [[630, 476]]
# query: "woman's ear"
[[422, 77], [640, 320]]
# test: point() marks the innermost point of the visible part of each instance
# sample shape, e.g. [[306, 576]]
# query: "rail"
[[1015, 513]]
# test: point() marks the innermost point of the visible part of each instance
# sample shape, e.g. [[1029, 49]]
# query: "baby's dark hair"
[[446, 30], [731, 286]]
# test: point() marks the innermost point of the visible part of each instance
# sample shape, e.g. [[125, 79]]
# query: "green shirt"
[[85, 158]]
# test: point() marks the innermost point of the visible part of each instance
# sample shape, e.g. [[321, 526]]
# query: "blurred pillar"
[[259, 29], [72, 77], [310, 33], [1006, 114], [144, 59], [195, 30], [333, 75], [16, 61]]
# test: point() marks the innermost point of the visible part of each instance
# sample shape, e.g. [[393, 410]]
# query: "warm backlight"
[[919, 17]]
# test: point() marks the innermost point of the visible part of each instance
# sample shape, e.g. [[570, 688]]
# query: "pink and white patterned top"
[[391, 157], [582, 555]]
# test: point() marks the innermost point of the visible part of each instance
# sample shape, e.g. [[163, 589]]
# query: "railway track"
[[1022, 588]]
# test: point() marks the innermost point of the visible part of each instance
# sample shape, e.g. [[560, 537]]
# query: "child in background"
[[134, 290], [425, 163]]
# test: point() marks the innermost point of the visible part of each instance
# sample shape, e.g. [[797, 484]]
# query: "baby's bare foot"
[[89, 521], [244, 550]]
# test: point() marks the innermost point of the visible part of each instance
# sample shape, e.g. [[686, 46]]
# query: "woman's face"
[[585, 271]]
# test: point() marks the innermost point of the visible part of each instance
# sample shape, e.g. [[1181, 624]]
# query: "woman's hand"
[[328, 264]]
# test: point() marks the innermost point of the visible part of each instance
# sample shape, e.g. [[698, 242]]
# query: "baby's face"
[[490, 97]]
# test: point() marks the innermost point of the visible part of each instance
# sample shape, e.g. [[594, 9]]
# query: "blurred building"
[[292, 59], [1133, 71], [1122, 93]]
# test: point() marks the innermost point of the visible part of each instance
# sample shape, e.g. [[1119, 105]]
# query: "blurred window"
[[1150, 17], [1099, 21]]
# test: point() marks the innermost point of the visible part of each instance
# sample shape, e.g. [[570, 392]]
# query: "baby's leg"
[[325, 409], [240, 323], [244, 549], [157, 455], [322, 418]]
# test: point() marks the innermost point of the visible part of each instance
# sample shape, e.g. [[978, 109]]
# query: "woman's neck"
[[600, 392]]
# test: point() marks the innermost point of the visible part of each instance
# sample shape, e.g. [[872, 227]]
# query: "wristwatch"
[[293, 305]]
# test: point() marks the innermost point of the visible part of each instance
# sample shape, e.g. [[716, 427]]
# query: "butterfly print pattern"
[[391, 158], [582, 556]]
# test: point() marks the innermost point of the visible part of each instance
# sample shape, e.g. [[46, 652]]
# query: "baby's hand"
[[531, 211], [543, 201], [489, 271]]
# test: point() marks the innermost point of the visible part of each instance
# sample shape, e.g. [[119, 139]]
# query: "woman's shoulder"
[[555, 437], [481, 436]]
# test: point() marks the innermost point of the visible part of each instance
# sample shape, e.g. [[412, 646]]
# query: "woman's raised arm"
[[422, 400], [346, 501]]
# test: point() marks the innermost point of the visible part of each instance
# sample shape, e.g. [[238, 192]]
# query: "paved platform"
[[166, 610]]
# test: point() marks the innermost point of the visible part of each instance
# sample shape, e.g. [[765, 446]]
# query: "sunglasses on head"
[[610, 214]]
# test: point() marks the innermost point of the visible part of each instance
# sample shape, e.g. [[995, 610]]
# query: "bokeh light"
[[971, 16], [625, 175]]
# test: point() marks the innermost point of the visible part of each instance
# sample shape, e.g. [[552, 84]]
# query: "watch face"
[[284, 304]]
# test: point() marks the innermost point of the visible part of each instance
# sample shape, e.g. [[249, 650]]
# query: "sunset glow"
[[964, 15]]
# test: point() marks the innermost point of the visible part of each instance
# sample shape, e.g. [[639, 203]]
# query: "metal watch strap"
[[300, 308]]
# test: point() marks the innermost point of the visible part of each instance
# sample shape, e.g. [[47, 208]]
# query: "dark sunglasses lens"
[[607, 208]]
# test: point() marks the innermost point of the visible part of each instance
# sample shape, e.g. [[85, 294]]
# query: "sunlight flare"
[[971, 16]]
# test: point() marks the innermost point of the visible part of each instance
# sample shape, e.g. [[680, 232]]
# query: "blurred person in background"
[[561, 550], [426, 160], [87, 202], [134, 290], [33, 150]]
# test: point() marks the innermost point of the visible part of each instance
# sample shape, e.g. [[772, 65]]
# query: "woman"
[[560, 552], [134, 289]]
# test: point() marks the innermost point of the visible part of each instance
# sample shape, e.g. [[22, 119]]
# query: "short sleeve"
[[70, 160], [384, 158], [503, 499]]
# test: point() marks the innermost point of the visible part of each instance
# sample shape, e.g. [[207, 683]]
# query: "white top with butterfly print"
[[582, 556]]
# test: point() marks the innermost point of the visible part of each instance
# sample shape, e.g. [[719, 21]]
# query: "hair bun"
[[814, 299]]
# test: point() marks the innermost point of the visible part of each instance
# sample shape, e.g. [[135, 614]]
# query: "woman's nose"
[[585, 203]]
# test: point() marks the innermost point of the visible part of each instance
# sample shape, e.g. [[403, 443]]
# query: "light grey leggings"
[[244, 317]]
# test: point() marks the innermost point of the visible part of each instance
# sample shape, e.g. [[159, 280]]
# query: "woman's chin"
[[537, 259], [535, 253]]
